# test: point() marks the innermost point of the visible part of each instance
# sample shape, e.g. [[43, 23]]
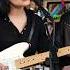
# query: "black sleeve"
[[63, 32], [60, 32], [39, 40], [44, 42]]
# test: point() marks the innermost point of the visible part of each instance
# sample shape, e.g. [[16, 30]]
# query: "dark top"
[[9, 34], [64, 34], [63, 31], [65, 28]]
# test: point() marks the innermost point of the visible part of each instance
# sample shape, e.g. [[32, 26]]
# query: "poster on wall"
[[56, 9]]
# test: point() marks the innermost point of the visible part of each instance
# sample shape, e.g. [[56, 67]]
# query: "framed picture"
[[56, 9]]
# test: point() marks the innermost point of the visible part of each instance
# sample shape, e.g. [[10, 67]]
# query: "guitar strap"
[[31, 31]]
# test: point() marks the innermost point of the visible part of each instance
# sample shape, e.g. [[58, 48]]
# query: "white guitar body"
[[9, 55]]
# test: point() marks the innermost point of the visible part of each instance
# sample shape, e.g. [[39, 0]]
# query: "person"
[[45, 5], [48, 22], [39, 7], [33, 6], [64, 39], [15, 27]]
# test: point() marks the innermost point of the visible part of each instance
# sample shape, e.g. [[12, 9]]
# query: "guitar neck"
[[31, 60], [38, 58]]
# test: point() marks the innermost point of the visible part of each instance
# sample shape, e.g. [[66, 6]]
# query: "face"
[[44, 4], [33, 5], [20, 3]]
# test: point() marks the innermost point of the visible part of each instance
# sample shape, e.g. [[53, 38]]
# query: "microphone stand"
[[53, 59]]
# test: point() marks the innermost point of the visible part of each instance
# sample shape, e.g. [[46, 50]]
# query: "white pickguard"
[[9, 55]]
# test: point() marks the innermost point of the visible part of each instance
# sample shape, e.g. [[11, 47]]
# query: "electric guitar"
[[39, 58], [13, 56], [9, 55]]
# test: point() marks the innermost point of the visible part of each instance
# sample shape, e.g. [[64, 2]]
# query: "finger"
[[1, 65], [4, 68], [0, 68]]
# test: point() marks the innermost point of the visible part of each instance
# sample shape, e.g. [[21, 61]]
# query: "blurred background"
[[55, 7]]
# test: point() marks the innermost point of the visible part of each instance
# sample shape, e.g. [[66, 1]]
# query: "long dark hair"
[[38, 2], [4, 7]]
